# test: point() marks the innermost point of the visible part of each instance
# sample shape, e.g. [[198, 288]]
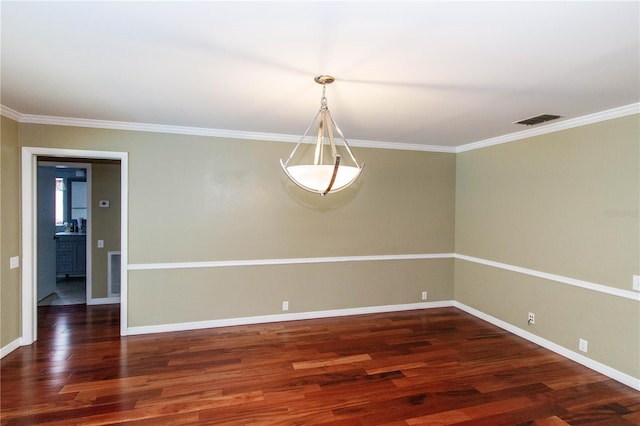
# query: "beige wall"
[[565, 203], [174, 296], [105, 185], [199, 199], [194, 199], [9, 232]]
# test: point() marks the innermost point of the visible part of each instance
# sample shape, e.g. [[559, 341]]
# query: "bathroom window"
[[60, 188]]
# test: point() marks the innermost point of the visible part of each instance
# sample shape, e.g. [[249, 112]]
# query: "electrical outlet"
[[636, 282], [583, 345], [424, 295], [531, 318], [285, 305], [14, 262]]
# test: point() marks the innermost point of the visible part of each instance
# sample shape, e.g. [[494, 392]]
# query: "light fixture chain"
[[323, 100]]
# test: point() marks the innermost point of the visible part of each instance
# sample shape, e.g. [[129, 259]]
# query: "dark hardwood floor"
[[429, 367]]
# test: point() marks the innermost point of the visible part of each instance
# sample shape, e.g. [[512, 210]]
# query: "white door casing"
[[30, 234]]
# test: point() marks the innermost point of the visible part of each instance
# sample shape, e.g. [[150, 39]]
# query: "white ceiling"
[[425, 73]]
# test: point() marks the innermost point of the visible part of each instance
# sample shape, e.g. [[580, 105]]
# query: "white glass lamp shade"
[[316, 178]]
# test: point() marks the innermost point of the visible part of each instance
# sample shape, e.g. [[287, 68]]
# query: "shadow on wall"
[[319, 202]]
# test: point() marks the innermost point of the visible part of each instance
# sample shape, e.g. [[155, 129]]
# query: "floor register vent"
[[113, 277]]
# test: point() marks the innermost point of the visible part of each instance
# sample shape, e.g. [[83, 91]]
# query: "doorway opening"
[[64, 250], [30, 232]]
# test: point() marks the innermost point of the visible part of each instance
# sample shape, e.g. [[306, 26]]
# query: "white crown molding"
[[201, 131], [10, 113], [555, 127], [277, 137], [400, 146], [155, 128]]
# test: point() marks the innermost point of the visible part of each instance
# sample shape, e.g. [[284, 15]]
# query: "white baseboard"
[[569, 354], [10, 347], [283, 317], [619, 376], [103, 301]]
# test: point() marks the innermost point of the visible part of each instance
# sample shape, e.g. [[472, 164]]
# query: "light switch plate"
[[100, 243], [14, 262], [636, 282]]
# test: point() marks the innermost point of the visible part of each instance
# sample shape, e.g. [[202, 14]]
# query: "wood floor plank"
[[550, 421], [330, 362], [436, 366], [474, 412]]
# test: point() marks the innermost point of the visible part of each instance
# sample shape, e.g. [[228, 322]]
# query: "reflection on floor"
[[69, 291]]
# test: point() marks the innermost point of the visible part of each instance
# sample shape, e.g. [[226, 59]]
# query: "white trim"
[[288, 261], [29, 244], [89, 232], [202, 131], [156, 128], [261, 319], [627, 294], [124, 243], [400, 146], [619, 376], [10, 113], [29, 261], [554, 127], [6, 350], [276, 137], [103, 300]]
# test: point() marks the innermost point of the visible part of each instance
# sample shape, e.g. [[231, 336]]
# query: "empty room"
[[309, 212]]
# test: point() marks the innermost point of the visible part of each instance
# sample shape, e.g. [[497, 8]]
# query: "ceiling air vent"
[[537, 119]]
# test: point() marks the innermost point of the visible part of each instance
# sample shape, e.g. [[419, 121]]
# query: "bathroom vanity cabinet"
[[71, 254]]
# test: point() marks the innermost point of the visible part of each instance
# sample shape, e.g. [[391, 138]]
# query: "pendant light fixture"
[[326, 172]]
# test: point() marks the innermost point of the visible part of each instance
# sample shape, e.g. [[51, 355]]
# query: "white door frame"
[[29, 232]]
